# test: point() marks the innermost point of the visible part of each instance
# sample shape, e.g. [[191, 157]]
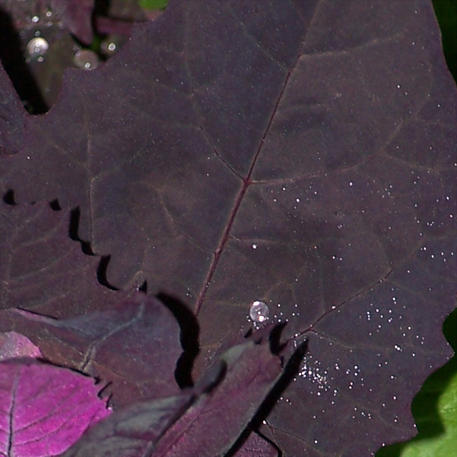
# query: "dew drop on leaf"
[[259, 311], [86, 59], [37, 47]]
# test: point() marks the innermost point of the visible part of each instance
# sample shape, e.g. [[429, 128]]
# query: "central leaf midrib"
[[247, 179]]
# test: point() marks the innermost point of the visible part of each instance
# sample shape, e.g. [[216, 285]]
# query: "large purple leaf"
[[44, 409], [300, 153], [42, 269], [12, 117], [134, 345], [225, 400]]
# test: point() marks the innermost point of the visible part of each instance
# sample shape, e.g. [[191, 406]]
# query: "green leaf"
[[435, 410], [446, 13], [153, 4]]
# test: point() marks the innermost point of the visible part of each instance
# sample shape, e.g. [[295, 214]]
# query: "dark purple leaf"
[[180, 425], [76, 16], [256, 446], [42, 269], [44, 409], [133, 345], [240, 151], [12, 117], [129, 432]]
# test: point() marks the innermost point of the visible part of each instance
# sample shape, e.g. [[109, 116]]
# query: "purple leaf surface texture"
[[300, 153], [134, 345], [225, 399], [42, 269], [12, 116], [256, 446], [44, 409]]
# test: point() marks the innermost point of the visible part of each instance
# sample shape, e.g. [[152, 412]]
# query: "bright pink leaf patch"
[[44, 409], [13, 345]]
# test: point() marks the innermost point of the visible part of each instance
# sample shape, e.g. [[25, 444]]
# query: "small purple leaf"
[[225, 400], [127, 345], [132, 430], [44, 409], [256, 446], [76, 16]]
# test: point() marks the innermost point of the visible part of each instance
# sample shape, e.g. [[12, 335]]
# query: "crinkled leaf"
[[134, 345], [237, 151], [42, 269], [225, 400], [44, 409]]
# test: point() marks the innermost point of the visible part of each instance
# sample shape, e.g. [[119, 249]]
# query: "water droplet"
[[259, 311], [108, 46], [37, 47], [254, 246], [85, 59], [35, 19]]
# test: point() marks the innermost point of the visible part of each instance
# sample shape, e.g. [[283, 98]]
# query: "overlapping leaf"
[[134, 345], [225, 399], [44, 409], [239, 151], [435, 410]]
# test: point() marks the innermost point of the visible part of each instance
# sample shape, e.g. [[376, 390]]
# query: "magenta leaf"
[[14, 345], [44, 408], [134, 345], [225, 400]]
